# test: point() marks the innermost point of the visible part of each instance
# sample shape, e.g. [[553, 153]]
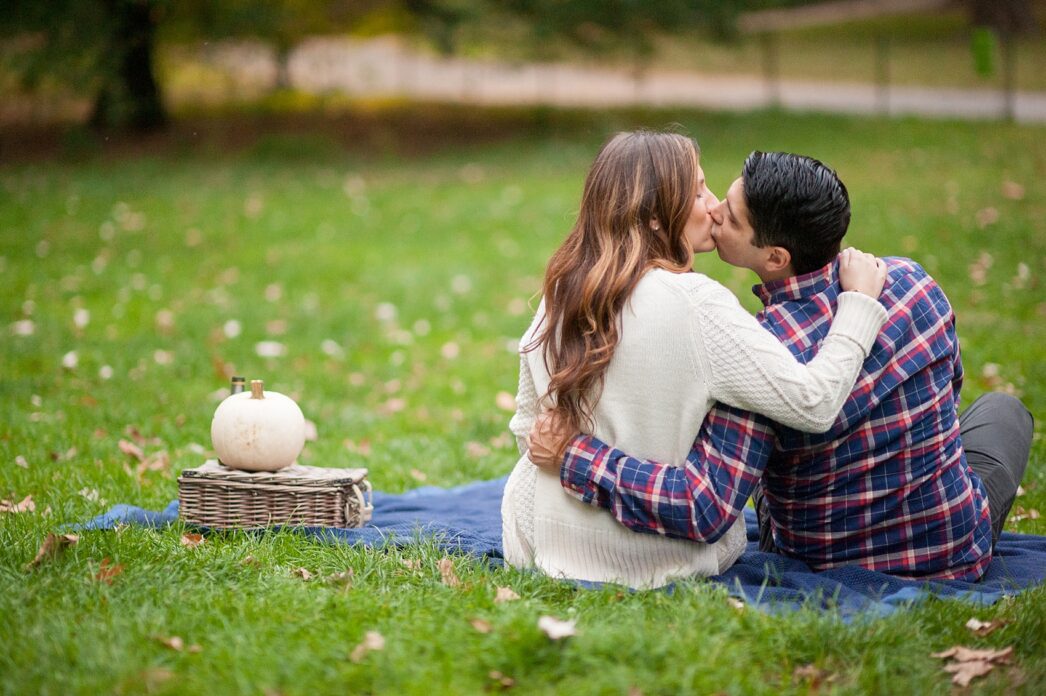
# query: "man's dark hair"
[[797, 203]]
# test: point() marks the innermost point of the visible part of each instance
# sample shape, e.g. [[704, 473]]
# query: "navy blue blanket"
[[467, 520]]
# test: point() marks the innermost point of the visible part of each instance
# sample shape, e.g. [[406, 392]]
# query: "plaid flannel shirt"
[[887, 488]]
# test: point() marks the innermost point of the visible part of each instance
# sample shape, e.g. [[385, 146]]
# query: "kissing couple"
[[652, 406]]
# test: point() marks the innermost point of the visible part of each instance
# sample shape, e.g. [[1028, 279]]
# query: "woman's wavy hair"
[[637, 199]]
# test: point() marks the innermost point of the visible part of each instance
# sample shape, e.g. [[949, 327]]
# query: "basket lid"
[[295, 474]]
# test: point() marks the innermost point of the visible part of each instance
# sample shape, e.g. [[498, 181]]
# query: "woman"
[[629, 345]]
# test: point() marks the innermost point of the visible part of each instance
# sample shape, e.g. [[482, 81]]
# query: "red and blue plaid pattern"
[[887, 488]]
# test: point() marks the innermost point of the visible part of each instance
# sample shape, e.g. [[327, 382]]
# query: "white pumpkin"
[[258, 430]]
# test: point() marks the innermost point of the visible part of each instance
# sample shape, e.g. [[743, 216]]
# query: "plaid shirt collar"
[[797, 287]]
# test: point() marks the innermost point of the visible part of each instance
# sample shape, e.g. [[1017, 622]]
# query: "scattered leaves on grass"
[[131, 450], [302, 573], [557, 629], [505, 594], [362, 447], [969, 663], [178, 645], [501, 680], [447, 574], [91, 495], [343, 579], [152, 678], [984, 628], [813, 675], [502, 441], [270, 349], [1020, 514], [392, 406], [191, 540], [372, 640], [52, 545], [476, 449], [481, 625], [505, 401], [987, 216], [979, 268], [27, 505], [108, 571], [1012, 190]]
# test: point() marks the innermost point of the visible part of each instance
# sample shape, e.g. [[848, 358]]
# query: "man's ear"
[[778, 259]]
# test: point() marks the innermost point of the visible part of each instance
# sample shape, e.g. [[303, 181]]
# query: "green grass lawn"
[[130, 287]]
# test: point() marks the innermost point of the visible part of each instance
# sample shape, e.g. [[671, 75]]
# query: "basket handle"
[[366, 504]]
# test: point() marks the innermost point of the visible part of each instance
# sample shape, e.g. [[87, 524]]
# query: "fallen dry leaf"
[[965, 672], [21, 461], [153, 677], [969, 663], [813, 675], [505, 401], [735, 603], [191, 540], [481, 625], [107, 571], [344, 578], [131, 449], [250, 561], [963, 654], [1020, 514], [302, 573], [418, 475], [362, 447], [91, 494], [53, 544], [557, 629], [174, 642], [476, 449], [372, 640], [447, 574], [984, 628], [503, 681], [27, 505], [1012, 190], [410, 563], [505, 594]]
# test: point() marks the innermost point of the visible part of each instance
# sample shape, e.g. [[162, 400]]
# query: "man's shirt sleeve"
[[699, 500]]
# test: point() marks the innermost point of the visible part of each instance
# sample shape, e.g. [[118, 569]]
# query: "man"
[[900, 484]]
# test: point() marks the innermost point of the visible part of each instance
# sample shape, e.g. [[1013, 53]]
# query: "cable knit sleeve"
[[526, 405], [747, 367]]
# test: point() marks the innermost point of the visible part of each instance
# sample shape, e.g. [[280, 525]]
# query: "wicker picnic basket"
[[213, 495]]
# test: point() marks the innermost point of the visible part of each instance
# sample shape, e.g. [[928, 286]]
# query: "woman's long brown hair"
[[637, 199]]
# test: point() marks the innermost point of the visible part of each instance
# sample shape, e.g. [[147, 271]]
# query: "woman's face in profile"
[[698, 228]]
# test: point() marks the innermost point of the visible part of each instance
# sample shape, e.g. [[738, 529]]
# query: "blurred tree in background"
[[105, 49]]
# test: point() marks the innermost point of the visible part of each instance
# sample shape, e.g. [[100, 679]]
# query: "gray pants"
[[996, 432]]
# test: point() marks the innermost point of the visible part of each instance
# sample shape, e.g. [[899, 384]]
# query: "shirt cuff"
[[580, 465], [859, 318]]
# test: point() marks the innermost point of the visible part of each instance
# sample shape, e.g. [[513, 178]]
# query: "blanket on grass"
[[467, 520]]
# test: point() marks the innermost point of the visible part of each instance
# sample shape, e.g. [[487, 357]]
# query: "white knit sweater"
[[685, 343]]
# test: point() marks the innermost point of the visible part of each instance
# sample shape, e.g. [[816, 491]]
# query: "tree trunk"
[[1011, 17], [129, 96]]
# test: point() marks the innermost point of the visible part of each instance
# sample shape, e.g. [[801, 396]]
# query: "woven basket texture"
[[216, 496]]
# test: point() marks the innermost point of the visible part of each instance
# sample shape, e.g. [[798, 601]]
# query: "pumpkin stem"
[[257, 389]]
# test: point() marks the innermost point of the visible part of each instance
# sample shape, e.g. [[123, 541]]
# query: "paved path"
[[384, 67]]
